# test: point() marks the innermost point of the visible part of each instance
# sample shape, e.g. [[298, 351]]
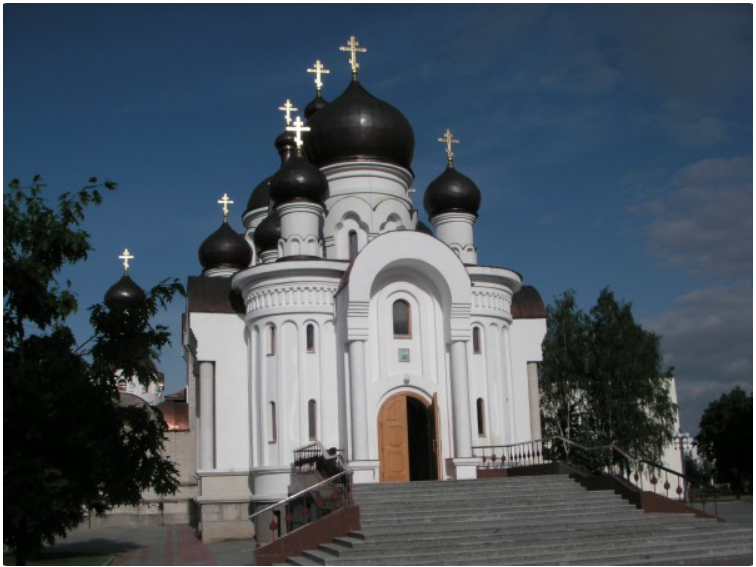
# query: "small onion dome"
[[357, 126], [124, 293], [527, 304], [318, 103], [225, 248], [260, 196], [268, 232], [298, 180], [451, 191], [286, 145], [424, 228]]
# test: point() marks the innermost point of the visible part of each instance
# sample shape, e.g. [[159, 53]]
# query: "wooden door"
[[394, 441]]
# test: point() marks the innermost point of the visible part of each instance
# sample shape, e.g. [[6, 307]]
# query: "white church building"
[[339, 317]]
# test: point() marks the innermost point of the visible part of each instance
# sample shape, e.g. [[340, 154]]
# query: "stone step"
[[621, 530], [595, 541], [600, 553], [500, 496], [492, 509]]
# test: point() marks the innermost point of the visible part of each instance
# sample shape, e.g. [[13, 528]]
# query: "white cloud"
[[705, 224], [708, 338]]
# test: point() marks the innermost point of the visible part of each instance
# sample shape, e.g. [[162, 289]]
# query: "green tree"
[[605, 370], [726, 438], [69, 446]]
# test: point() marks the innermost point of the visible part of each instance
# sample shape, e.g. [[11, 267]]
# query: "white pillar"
[[207, 415], [357, 387], [460, 400], [535, 399], [508, 389]]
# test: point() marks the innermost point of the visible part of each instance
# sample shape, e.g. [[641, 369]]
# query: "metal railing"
[[323, 483], [608, 459]]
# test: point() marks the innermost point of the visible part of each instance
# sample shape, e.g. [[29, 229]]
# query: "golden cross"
[[352, 46], [298, 127], [126, 256], [449, 139], [287, 109], [225, 201], [318, 70]]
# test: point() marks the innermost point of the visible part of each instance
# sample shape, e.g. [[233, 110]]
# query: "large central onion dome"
[[451, 191], [225, 249], [359, 127]]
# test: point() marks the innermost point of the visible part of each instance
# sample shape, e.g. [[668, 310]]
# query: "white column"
[[460, 400], [207, 415], [510, 403], [301, 223], [357, 387], [534, 399]]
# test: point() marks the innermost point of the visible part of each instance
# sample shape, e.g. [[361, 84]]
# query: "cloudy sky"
[[612, 144]]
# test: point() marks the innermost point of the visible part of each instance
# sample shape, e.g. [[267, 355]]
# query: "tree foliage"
[[69, 446], [602, 380], [726, 437]]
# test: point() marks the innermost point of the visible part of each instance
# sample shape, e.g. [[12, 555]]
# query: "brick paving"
[[168, 545]]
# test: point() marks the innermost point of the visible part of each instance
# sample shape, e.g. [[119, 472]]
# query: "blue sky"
[[612, 144]]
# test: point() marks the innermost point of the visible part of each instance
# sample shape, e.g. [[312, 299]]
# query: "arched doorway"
[[407, 439]]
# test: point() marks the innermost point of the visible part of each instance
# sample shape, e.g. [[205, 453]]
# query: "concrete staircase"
[[545, 520]]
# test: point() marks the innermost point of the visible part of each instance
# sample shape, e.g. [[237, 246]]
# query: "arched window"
[[481, 418], [353, 244], [312, 419], [477, 345], [310, 332], [402, 319], [273, 423], [271, 340]]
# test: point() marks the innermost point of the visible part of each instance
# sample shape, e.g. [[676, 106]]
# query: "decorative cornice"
[[285, 295]]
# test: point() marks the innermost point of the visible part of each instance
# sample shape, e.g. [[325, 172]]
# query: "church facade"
[[339, 317]]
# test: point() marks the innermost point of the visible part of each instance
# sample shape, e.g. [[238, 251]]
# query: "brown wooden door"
[[394, 441]]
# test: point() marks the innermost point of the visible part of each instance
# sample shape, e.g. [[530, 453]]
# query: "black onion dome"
[[286, 144], [318, 103], [451, 191], [298, 180], [260, 196], [268, 232], [225, 248], [358, 126], [124, 293], [424, 228]]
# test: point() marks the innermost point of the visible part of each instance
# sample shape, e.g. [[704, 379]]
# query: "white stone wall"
[[526, 336]]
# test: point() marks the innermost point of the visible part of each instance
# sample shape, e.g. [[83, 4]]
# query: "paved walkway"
[[739, 512], [169, 545]]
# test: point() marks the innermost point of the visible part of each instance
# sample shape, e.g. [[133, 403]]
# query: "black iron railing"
[[608, 459]]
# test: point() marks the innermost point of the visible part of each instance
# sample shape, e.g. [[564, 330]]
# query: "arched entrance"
[[407, 439]]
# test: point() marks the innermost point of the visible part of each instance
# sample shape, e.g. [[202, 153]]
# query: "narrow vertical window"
[[477, 349], [310, 338], [402, 320], [271, 340], [481, 418], [352, 244], [273, 423], [312, 419]]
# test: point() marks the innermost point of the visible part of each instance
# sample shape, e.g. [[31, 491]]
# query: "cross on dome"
[[126, 256], [319, 70], [352, 46], [449, 139], [225, 201], [287, 109], [298, 127]]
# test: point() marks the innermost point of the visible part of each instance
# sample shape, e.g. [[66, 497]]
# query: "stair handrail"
[[531, 453], [299, 494]]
